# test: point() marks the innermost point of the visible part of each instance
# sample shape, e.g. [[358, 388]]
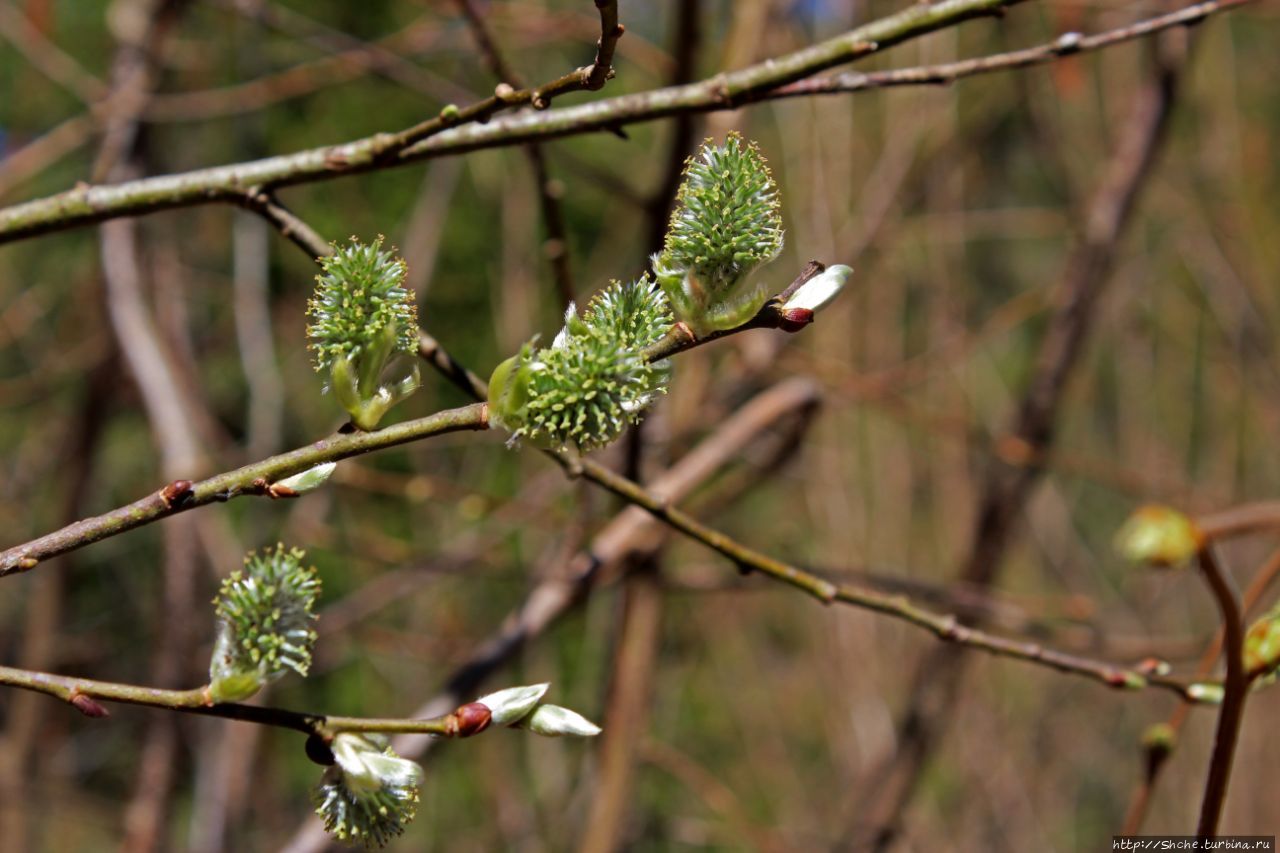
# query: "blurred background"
[[738, 714]]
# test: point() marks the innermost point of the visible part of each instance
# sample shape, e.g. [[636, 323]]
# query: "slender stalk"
[[1068, 44], [1262, 581], [1234, 696], [771, 79], [254, 479], [944, 626], [457, 130], [82, 692]]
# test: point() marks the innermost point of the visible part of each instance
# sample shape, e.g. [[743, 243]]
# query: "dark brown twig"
[[1235, 693], [1262, 581]]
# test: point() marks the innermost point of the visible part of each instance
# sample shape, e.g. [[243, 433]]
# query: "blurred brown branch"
[[892, 779]]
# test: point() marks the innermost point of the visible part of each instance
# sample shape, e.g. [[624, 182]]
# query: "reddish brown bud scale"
[[472, 719], [794, 319], [88, 706], [176, 493]]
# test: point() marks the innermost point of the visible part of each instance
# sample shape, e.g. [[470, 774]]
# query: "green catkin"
[[594, 381], [725, 226], [363, 318], [360, 293], [265, 614]]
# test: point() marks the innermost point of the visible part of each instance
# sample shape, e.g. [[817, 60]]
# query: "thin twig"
[[1067, 44], [290, 226], [1235, 693], [253, 479], [83, 693], [943, 626], [556, 246], [1262, 581], [87, 203]]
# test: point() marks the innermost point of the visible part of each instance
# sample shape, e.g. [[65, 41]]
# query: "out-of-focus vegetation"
[[955, 205]]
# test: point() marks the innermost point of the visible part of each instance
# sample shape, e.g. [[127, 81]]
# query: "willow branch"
[[944, 626], [83, 693], [764, 81], [1067, 44], [88, 203], [259, 477], [254, 479]]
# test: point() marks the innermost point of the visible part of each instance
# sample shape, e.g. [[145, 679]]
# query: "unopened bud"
[[310, 479], [1159, 536], [794, 319], [513, 704], [1209, 694], [1262, 646], [554, 721], [1159, 740], [89, 706], [815, 293], [472, 719]]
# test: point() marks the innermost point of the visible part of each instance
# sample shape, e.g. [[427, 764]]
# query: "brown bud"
[[794, 319], [473, 718], [88, 706], [176, 493]]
